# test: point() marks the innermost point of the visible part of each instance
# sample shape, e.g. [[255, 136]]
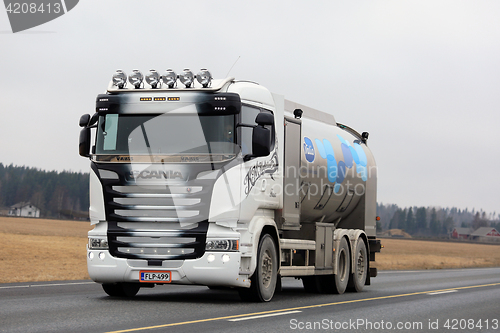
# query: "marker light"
[[153, 78], [170, 78], [120, 79], [204, 77], [187, 78], [136, 78]]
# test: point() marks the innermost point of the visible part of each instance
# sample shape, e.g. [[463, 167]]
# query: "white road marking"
[[443, 292], [263, 316], [47, 285]]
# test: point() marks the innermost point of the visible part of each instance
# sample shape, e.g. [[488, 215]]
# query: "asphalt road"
[[466, 300]]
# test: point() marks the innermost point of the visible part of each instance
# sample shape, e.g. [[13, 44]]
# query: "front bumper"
[[209, 270]]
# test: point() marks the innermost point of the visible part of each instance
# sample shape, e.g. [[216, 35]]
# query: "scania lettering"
[[223, 183], [157, 174]]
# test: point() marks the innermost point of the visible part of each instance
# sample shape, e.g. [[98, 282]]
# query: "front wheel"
[[121, 289], [265, 276]]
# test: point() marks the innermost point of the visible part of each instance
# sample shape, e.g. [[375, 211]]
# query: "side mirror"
[[264, 119], [84, 145], [84, 120], [261, 141], [261, 136]]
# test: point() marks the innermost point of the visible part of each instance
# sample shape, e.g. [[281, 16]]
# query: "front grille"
[[157, 222], [157, 241]]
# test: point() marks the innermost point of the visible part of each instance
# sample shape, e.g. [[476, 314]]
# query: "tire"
[[121, 289], [357, 279], [343, 268], [336, 283], [263, 280]]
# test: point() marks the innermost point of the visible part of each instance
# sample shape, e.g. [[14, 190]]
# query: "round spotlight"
[[153, 78], [204, 77], [210, 257], [120, 79], [170, 78], [187, 78], [91, 255], [102, 255], [225, 257], [136, 78]]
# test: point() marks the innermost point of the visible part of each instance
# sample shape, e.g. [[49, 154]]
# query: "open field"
[[406, 254], [47, 250], [42, 250]]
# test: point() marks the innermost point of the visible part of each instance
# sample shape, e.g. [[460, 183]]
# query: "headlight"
[[120, 79], [153, 78], [222, 245], [98, 244], [136, 78], [204, 77], [170, 78], [186, 78]]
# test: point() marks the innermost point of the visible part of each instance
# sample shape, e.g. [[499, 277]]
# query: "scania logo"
[[156, 174]]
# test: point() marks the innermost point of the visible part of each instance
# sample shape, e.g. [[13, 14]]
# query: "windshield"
[[165, 134]]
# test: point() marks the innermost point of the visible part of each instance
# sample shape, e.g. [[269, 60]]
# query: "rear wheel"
[[121, 289], [343, 268], [265, 276], [360, 270], [337, 283]]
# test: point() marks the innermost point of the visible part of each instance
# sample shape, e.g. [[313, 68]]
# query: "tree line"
[[57, 194], [433, 221]]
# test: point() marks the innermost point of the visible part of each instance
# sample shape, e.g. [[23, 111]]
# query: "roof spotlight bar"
[[169, 78]]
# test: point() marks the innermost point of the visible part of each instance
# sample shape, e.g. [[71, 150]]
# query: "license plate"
[[155, 276]]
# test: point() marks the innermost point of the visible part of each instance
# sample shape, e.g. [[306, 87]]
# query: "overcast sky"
[[422, 77]]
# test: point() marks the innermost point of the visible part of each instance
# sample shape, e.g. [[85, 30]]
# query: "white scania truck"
[[224, 184]]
